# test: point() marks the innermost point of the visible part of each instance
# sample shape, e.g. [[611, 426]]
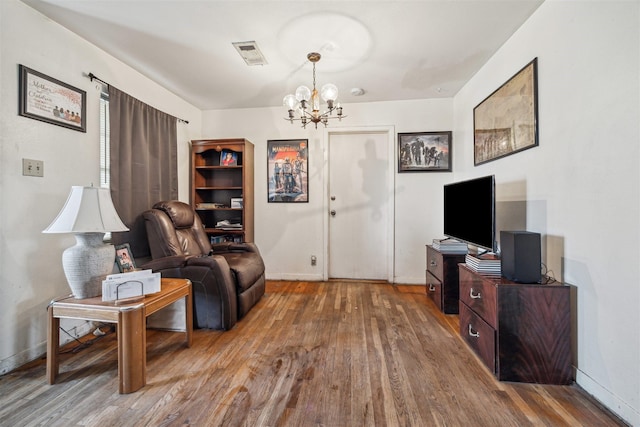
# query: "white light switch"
[[32, 167]]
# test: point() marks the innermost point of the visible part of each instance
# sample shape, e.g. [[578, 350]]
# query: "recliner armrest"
[[233, 247], [164, 263]]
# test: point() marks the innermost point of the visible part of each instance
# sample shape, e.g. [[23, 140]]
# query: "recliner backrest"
[[173, 228]]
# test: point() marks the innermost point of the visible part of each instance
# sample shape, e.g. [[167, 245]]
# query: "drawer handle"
[[473, 333], [433, 263], [476, 296], [432, 288]]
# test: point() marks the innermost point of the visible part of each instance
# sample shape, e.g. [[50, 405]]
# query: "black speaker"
[[520, 256]]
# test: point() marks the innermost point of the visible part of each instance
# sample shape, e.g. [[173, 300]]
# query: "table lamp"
[[88, 214]]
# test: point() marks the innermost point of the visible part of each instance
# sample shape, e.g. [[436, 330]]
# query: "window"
[[105, 177]]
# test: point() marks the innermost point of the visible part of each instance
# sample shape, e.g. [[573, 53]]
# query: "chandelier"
[[307, 102]]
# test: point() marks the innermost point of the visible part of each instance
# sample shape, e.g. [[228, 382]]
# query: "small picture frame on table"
[[124, 258]]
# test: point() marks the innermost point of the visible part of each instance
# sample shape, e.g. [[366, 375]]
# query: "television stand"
[[521, 332]]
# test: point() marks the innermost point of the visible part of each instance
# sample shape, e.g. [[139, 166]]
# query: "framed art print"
[[49, 100], [424, 152], [287, 168], [506, 122]]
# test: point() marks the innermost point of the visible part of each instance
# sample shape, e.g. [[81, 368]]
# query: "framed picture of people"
[[424, 152], [287, 169], [124, 258], [50, 100]]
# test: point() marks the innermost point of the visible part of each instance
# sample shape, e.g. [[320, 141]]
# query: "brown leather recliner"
[[228, 279]]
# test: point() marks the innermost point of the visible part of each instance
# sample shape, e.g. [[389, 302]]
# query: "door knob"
[[332, 212]]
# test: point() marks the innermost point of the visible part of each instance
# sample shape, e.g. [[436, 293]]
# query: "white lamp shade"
[[87, 210]]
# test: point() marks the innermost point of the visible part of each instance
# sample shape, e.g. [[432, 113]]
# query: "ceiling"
[[394, 50]]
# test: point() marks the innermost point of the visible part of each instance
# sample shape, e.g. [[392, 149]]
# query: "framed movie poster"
[[506, 122], [49, 100], [424, 152], [287, 169]]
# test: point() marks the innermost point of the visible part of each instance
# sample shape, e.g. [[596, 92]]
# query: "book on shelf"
[[228, 225], [210, 205], [225, 238]]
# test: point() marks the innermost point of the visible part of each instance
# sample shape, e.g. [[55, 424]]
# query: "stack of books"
[[228, 225], [450, 246], [485, 264], [210, 206], [226, 238]]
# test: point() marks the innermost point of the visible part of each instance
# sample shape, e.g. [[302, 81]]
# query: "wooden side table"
[[130, 323]]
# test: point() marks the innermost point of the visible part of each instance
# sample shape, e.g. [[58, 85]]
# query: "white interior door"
[[360, 199]]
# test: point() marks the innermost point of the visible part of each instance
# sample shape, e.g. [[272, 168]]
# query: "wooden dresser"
[[522, 332], [442, 279]]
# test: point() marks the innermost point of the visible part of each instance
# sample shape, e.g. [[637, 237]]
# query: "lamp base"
[[87, 264]]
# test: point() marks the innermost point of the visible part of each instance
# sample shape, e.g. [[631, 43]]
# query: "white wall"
[[581, 185], [289, 233], [30, 262]]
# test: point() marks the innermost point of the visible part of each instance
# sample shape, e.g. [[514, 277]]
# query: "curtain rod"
[[94, 77]]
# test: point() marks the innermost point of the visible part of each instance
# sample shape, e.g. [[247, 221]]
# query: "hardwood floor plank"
[[339, 353]]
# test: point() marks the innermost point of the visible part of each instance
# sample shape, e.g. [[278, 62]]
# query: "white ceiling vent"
[[250, 53]]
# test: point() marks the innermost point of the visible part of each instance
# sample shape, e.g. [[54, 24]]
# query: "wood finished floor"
[[309, 354]]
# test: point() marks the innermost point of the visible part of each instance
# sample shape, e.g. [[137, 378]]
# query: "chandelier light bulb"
[[290, 102], [303, 93], [329, 92]]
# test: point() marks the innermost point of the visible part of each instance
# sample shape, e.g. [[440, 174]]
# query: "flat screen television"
[[469, 212]]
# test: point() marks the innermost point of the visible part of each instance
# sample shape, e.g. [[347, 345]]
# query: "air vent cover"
[[250, 53]]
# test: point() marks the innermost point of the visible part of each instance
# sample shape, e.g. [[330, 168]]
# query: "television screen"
[[469, 212]]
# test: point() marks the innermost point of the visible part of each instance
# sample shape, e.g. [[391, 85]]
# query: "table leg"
[[132, 350], [53, 343], [189, 320]]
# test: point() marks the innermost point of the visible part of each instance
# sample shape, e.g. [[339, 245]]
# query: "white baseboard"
[[399, 280], [407, 280], [14, 362], [296, 276], [608, 399], [75, 327]]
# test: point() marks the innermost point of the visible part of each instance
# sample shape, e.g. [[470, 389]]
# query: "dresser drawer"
[[479, 295], [434, 290], [435, 263], [479, 335]]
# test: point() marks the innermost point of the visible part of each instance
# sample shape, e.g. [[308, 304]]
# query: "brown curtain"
[[143, 167]]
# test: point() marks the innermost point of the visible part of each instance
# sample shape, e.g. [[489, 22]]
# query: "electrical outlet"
[[32, 167], [313, 260]]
